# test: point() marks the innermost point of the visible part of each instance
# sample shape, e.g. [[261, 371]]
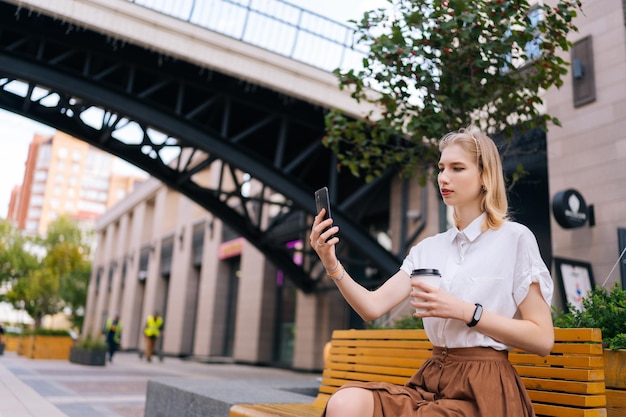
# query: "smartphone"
[[322, 201]]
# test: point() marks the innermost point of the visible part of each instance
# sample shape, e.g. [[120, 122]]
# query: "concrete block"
[[201, 398]]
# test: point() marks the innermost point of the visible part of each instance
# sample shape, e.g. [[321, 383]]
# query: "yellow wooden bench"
[[569, 382]]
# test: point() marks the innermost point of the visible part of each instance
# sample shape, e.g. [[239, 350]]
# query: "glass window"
[[62, 152], [43, 156], [32, 226], [38, 188], [41, 175]]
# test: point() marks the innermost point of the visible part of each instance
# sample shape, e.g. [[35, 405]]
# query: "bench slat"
[[557, 385], [396, 360], [354, 353], [362, 376], [283, 410], [415, 334], [375, 369], [558, 360], [578, 335], [560, 373], [546, 410], [562, 398]]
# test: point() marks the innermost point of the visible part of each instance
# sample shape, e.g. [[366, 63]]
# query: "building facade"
[[158, 251], [588, 153], [65, 176]]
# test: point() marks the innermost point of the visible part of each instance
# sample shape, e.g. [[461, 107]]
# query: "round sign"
[[569, 209]]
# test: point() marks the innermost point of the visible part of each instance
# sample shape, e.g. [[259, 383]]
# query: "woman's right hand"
[[321, 240]]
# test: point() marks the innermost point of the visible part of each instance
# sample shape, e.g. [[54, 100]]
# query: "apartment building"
[[65, 176]]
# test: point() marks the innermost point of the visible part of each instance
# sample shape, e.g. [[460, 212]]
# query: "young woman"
[[495, 294]]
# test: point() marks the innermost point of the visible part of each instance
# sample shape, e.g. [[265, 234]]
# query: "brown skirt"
[[460, 382]]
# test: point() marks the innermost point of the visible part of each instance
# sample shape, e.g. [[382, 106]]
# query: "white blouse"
[[494, 268]]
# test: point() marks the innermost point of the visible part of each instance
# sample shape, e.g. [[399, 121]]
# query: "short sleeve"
[[410, 262], [530, 268]]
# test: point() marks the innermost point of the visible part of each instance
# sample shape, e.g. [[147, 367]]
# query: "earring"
[[484, 189]]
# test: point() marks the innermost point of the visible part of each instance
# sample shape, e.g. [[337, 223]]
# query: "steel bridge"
[[173, 117]]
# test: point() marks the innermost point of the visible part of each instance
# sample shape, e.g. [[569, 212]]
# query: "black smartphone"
[[322, 201]]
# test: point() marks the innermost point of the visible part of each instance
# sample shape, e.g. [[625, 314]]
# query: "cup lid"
[[425, 271]]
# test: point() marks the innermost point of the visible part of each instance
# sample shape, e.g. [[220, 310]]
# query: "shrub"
[[91, 343], [46, 332], [404, 322], [602, 308]]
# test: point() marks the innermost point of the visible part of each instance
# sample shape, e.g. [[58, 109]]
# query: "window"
[[41, 175], [32, 226], [43, 156], [62, 152]]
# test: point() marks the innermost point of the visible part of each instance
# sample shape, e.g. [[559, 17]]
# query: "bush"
[[404, 322], [46, 332], [91, 343], [602, 308]]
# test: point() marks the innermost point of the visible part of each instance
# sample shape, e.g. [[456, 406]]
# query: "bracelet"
[[334, 269], [334, 277]]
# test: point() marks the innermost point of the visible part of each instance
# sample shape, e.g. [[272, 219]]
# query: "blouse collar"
[[473, 230]]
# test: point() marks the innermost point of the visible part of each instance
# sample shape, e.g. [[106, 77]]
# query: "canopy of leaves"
[[60, 278], [15, 260], [436, 66]]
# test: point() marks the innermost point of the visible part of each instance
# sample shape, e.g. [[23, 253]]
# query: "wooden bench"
[[569, 382]]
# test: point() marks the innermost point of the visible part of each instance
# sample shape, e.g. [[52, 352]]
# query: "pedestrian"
[[152, 332], [113, 335], [495, 294]]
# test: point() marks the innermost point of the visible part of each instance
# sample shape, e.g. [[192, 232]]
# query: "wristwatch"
[[477, 315]]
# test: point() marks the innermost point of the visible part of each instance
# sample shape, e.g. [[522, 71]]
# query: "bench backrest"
[[568, 382]]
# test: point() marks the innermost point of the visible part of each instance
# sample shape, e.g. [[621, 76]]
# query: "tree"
[[15, 260], [439, 65], [62, 276]]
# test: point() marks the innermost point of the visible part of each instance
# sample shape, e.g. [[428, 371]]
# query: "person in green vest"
[[152, 331], [113, 335]]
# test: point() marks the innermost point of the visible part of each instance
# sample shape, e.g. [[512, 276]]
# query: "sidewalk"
[[52, 388]]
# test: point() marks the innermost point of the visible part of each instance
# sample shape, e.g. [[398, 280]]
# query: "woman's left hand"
[[437, 302]]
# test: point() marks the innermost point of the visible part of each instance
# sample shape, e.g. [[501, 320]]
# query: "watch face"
[[478, 312]]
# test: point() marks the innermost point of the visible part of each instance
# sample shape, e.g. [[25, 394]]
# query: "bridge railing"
[[275, 25]]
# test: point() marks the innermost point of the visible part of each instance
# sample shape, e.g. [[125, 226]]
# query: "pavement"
[[59, 388]]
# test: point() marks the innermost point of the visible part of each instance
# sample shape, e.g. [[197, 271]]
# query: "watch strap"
[[478, 312]]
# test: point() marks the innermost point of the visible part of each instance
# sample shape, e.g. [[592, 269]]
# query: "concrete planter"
[[88, 357], [615, 380], [46, 347]]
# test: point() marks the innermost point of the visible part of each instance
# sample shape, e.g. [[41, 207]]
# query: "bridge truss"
[[174, 120]]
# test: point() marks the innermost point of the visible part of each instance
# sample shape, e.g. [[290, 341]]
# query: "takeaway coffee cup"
[[430, 276]]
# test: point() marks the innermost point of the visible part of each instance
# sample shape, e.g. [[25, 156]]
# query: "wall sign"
[[576, 280], [569, 209]]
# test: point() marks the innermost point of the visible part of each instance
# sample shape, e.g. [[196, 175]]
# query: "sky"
[[16, 132]]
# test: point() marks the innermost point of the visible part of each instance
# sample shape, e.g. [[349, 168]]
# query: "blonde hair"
[[493, 200]]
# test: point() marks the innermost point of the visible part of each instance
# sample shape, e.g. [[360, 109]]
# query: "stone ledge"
[[183, 397]]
